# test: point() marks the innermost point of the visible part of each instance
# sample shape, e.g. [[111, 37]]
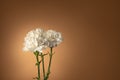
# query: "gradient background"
[[91, 31]]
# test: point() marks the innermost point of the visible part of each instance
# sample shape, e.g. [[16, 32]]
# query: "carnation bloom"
[[34, 41], [53, 38]]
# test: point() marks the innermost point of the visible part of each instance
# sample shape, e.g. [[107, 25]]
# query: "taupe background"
[[91, 46]]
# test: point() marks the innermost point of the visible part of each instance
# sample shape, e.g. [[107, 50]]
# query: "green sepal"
[[36, 53]]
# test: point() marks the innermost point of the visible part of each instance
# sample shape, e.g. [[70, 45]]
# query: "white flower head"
[[34, 41], [38, 39], [53, 38]]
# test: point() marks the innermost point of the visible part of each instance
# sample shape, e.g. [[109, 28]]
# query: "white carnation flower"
[[53, 38], [37, 40], [34, 41]]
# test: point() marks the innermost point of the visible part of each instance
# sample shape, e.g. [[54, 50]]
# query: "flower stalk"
[[49, 66], [38, 63], [42, 57]]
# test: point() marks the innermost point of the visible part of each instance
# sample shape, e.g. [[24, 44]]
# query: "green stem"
[[50, 59], [42, 56], [49, 66], [38, 65]]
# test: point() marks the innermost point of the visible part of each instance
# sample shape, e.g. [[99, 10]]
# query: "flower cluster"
[[38, 39]]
